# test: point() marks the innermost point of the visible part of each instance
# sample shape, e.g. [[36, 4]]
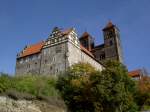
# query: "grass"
[[28, 85]]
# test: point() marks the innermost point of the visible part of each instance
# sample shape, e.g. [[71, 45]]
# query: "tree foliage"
[[5, 82], [143, 94], [85, 89]]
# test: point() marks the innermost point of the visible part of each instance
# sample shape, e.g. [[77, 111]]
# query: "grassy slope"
[[28, 85]]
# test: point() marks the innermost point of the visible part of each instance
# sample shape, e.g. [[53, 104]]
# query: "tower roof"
[[85, 34], [109, 25]]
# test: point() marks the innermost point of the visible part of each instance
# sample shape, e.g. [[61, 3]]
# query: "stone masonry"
[[63, 48]]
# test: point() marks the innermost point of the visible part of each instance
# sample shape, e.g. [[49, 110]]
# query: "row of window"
[[109, 34], [58, 49], [29, 58], [27, 66], [101, 57], [54, 40], [50, 60]]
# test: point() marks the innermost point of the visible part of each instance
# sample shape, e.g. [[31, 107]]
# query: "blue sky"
[[25, 22]]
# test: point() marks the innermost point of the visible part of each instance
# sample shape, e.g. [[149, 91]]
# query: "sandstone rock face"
[[10, 105]]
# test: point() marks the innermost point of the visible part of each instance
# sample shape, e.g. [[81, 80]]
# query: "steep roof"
[[135, 73], [32, 49], [86, 51], [85, 34], [67, 31], [109, 25]]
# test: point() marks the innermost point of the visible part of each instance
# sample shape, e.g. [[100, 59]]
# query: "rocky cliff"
[[10, 105]]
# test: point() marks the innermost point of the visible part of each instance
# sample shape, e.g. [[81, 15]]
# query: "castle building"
[[110, 49], [63, 48]]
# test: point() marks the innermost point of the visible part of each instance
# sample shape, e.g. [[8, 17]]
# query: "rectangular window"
[[57, 70], [102, 56], [54, 59], [28, 66], [27, 59], [21, 61], [51, 68], [45, 61], [58, 49], [45, 51]]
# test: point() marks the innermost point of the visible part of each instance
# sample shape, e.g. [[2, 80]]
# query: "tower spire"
[[108, 25]]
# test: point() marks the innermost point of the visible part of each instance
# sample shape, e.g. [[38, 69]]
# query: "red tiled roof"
[[135, 73], [86, 51], [33, 49]]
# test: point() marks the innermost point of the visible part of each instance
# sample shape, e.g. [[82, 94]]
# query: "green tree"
[[75, 86], [142, 96], [113, 89], [86, 90]]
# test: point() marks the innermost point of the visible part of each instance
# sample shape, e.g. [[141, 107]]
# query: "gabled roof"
[[67, 31], [32, 49], [109, 25], [135, 73], [86, 51]]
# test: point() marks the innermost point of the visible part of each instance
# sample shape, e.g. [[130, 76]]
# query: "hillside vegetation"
[[82, 89], [30, 86], [88, 90]]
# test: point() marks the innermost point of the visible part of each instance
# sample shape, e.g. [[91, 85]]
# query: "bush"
[[142, 95], [86, 90], [5, 82], [36, 85], [29, 84]]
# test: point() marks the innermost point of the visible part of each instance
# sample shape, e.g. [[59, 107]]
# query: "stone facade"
[[63, 49], [111, 49], [59, 51], [29, 64]]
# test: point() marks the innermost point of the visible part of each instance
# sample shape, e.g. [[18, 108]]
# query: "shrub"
[[35, 85], [86, 90], [142, 96], [5, 82]]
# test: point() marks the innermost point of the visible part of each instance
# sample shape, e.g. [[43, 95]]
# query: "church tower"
[[112, 42], [87, 41]]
